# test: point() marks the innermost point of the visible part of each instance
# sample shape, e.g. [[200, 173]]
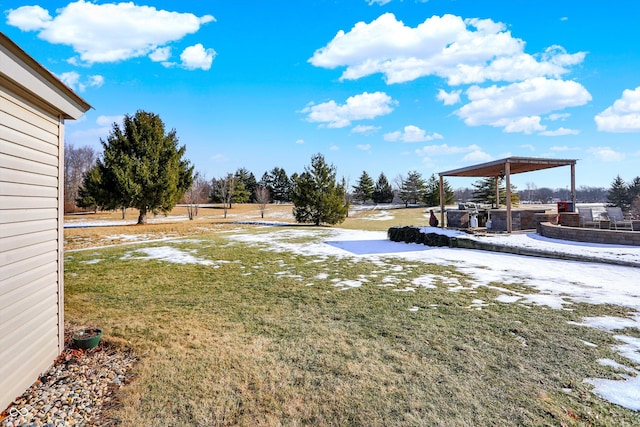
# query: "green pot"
[[87, 338]]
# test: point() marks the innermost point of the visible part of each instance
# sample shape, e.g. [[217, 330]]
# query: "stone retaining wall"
[[591, 235]]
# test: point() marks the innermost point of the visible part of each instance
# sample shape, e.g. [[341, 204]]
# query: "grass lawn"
[[251, 336]]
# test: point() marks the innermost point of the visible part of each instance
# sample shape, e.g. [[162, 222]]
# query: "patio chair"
[[617, 219], [586, 218]]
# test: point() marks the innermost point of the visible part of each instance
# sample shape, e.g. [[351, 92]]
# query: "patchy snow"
[[424, 281], [167, 254], [624, 392], [556, 283], [553, 283], [378, 216]]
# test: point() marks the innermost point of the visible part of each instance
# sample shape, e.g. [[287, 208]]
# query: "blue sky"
[[379, 86]]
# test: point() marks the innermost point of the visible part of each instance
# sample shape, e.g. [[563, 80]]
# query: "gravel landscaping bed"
[[77, 390]]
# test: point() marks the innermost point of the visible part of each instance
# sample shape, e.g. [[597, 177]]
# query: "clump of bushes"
[[409, 234]]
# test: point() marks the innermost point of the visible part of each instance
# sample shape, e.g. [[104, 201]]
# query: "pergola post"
[[573, 186], [507, 174], [441, 202]]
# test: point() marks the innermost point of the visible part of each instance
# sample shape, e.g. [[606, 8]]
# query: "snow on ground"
[[558, 283], [379, 216], [167, 253]]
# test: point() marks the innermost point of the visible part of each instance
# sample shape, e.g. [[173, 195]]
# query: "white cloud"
[[161, 54], [516, 107], [75, 81], [29, 18], [197, 56], [560, 132], [528, 147], [357, 107], [378, 2], [364, 147], [334, 148], [606, 154], [559, 116], [449, 98], [623, 115], [70, 78], [477, 156], [104, 125], [300, 141], [107, 32], [526, 125], [365, 130], [462, 51], [411, 133], [108, 121], [96, 80], [559, 148]]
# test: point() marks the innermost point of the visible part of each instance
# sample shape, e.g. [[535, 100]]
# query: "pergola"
[[504, 168]]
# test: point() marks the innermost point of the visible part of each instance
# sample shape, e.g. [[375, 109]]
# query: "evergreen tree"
[[634, 189], [619, 194], [413, 188], [363, 190], [240, 192], [432, 192], [141, 167], [278, 184], [246, 185], [485, 192], [383, 192], [90, 191], [316, 196]]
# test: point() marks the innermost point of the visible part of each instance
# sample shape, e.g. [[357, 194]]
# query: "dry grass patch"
[[258, 337]]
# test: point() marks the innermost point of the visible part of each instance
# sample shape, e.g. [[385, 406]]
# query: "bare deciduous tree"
[[196, 195], [77, 161], [224, 188], [262, 197]]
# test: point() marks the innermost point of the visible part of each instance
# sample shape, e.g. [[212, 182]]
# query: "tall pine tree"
[[413, 188], [432, 192], [141, 167], [382, 192], [363, 190], [485, 192], [316, 196], [619, 194], [278, 184], [246, 185]]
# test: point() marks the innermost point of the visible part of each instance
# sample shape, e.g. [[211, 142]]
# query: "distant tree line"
[[143, 167]]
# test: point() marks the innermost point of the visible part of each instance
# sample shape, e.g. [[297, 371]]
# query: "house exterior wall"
[[31, 273], [33, 107]]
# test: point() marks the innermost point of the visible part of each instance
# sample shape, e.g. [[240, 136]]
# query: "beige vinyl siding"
[[30, 242]]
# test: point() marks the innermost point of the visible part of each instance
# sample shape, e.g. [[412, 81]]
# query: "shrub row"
[[410, 234]]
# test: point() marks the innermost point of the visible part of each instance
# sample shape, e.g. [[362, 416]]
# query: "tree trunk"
[[124, 212], [142, 218]]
